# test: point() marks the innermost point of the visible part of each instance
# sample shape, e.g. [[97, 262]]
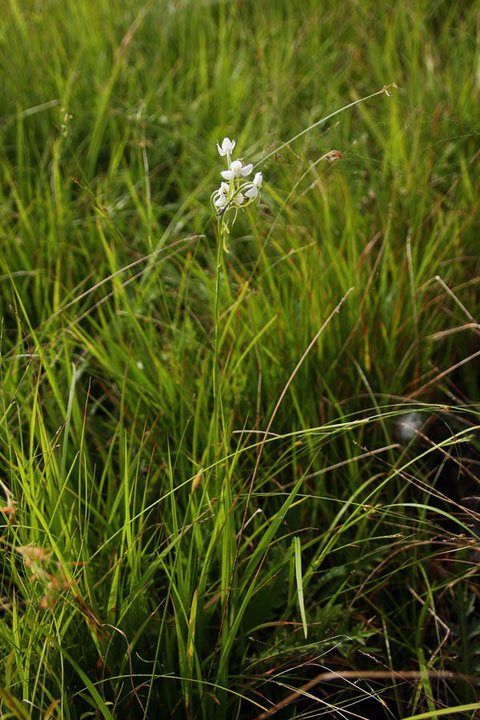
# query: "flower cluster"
[[237, 192]]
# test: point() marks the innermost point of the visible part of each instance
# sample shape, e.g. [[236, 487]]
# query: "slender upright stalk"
[[218, 417], [217, 404]]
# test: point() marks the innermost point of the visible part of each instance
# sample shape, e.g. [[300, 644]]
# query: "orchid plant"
[[237, 192]]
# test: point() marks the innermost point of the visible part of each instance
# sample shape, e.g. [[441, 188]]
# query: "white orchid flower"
[[237, 193], [221, 195], [226, 147], [237, 170], [254, 188]]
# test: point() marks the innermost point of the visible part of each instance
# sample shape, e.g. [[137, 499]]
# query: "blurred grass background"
[[148, 570]]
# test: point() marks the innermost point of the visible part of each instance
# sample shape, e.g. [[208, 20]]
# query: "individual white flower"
[[221, 195], [226, 147], [254, 188], [239, 199], [237, 170]]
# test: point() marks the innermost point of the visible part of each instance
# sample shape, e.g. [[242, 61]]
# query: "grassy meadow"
[[239, 485]]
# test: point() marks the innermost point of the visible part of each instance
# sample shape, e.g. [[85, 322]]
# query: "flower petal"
[[220, 201], [228, 145], [252, 191], [221, 151], [236, 166], [239, 199], [227, 174], [246, 170], [258, 179]]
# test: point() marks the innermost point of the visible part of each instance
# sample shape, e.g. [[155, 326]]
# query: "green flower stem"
[[217, 407]]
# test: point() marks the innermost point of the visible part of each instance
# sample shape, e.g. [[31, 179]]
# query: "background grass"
[[158, 560]]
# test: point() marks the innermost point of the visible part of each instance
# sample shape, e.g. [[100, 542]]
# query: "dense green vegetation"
[[297, 535]]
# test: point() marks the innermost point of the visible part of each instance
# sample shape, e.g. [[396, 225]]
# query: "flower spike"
[[234, 193]]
